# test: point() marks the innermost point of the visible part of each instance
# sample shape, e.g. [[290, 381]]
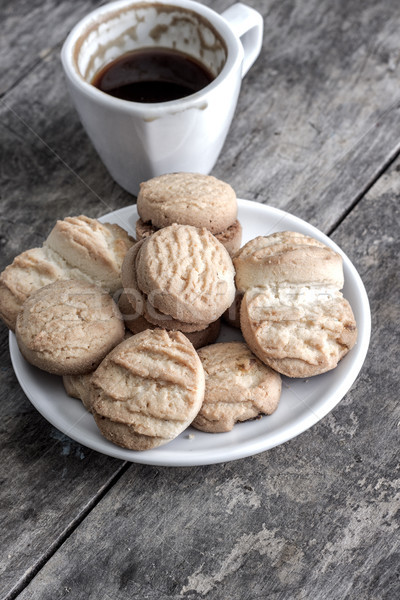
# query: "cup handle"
[[248, 25]]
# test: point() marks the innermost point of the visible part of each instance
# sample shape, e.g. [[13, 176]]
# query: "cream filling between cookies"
[[148, 229], [292, 295]]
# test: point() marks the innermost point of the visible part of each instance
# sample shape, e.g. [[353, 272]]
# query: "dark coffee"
[[152, 75]]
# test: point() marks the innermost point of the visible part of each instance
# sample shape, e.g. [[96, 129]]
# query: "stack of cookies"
[[143, 390], [293, 315], [77, 248], [57, 297], [180, 278], [189, 199]]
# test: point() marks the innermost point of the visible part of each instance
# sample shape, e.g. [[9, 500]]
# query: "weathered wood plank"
[[30, 29], [315, 518], [48, 167], [317, 119], [48, 482], [305, 138], [319, 114]]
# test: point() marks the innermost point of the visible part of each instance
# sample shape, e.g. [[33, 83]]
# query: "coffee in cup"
[[139, 138]]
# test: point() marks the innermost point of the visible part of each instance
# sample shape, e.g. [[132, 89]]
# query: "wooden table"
[[316, 133]]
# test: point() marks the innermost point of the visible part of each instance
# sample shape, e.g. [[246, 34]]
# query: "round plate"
[[303, 402]]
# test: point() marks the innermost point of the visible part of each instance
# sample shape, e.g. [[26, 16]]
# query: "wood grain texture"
[[317, 119], [317, 122], [30, 29], [43, 177], [47, 161], [315, 518], [48, 483], [318, 115]]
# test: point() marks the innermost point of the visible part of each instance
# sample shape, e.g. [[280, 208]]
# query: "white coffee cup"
[[137, 141]]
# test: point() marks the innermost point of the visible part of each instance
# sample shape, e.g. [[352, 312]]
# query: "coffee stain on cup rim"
[[216, 42]]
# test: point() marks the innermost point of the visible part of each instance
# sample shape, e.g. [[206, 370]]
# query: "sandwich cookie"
[[189, 199]]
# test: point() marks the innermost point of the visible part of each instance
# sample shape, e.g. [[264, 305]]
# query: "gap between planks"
[[54, 547], [364, 191]]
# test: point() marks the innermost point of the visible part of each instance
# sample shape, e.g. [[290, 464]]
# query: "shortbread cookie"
[[131, 316], [131, 292], [186, 273], [78, 386], [231, 237], [140, 304], [144, 230], [96, 249], [137, 323], [68, 327], [287, 257], [187, 199], [148, 389], [299, 331], [77, 248], [29, 271], [239, 387], [232, 314], [205, 336]]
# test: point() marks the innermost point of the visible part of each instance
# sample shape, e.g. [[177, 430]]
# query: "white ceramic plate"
[[303, 402]]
